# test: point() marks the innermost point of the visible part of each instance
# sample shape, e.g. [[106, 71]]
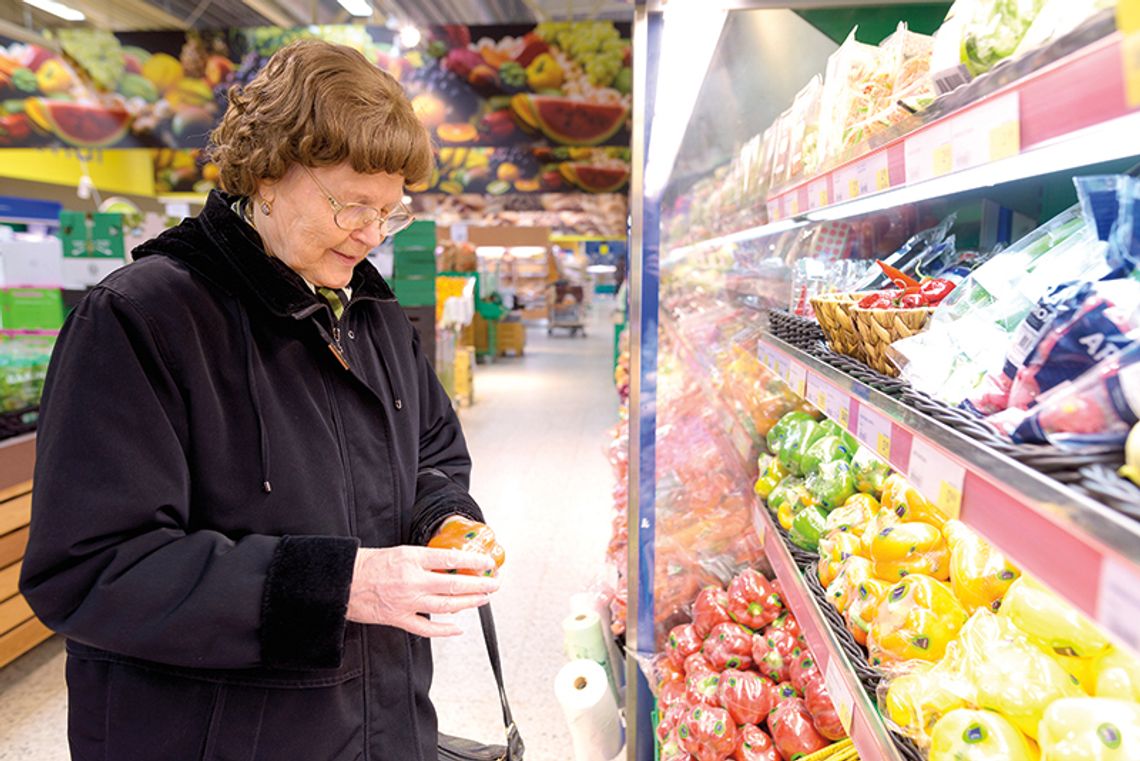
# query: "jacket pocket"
[[235, 724]]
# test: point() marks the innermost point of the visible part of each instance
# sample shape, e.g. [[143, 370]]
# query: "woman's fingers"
[[425, 627], [453, 560], [444, 604]]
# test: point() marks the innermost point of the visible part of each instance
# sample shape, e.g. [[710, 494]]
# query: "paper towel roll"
[[584, 693], [584, 636]]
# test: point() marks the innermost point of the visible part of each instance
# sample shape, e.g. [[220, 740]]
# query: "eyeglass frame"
[[338, 207]]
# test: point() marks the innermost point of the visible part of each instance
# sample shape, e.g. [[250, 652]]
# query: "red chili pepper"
[[936, 289], [912, 301], [897, 276]]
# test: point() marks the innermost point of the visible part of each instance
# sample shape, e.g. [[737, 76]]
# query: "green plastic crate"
[[415, 291], [414, 262], [31, 308], [419, 234]]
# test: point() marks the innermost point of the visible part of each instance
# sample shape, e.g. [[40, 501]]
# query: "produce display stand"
[[20, 630], [1076, 106]]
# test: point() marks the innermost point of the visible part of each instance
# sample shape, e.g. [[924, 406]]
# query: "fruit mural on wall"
[[520, 109]]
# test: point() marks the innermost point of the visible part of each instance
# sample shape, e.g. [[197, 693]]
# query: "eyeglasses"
[[354, 216]]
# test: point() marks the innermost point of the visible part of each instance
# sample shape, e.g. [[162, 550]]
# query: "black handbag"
[[459, 749]]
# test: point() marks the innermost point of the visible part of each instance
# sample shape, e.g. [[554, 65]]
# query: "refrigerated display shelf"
[[1084, 550], [858, 712]]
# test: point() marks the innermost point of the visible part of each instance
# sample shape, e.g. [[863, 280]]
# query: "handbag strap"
[[514, 740]]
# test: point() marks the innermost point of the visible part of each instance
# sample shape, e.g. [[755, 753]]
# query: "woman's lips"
[[346, 257]]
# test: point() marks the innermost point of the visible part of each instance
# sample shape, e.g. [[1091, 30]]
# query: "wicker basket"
[[879, 328], [833, 310]]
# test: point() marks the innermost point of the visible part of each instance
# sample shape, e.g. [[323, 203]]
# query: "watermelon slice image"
[[595, 179], [83, 125], [569, 121]]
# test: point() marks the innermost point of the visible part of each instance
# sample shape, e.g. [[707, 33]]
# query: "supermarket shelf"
[[859, 715], [1052, 119], [1085, 551], [17, 459]]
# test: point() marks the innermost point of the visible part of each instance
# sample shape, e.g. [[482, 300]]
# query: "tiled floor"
[[536, 434]]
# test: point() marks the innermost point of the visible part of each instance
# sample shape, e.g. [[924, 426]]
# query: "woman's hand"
[[393, 585]]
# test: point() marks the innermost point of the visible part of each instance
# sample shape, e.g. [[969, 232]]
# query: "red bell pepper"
[[683, 641], [897, 276], [728, 646], [823, 714], [878, 300], [710, 609], [755, 745], [935, 289], [747, 696], [708, 733], [751, 600], [912, 301], [792, 730]]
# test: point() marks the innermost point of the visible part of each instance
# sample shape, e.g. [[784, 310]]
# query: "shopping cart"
[[564, 309]]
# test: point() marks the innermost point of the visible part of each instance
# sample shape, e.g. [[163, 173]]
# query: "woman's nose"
[[370, 234]]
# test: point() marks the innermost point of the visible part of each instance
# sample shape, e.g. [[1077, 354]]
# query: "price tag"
[[845, 416], [1128, 16], [797, 378], [853, 188], [774, 210], [840, 695], [937, 477], [1130, 58], [883, 179], [1118, 600], [874, 430], [1005, 140], [794, 203], [943, 159]]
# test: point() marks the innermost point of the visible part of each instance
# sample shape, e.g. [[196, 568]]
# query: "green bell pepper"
[[786, 490], [807, 526], [832, 484], [777, 433], [827, 449], [799, 438], [834, 429], [870, 472]]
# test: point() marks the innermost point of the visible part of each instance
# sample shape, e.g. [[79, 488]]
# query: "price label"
[[845, 417], [797, 378], [937, 477], [774, 210], [1128, 16], [1005, 140], [853, 188], [840, 695], [883, 179], [874, 430], [943, 159], [1118, 600], [794, 203], [1130, 58], [823, 201]]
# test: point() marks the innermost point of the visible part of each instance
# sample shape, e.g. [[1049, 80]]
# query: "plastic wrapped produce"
[[807, 527], [670, 718], [870, 472], [916, 620], [803, 131], [858, 84], [747, 696], [728, 646], [979, 574], [910, 547], [965, 735], [827, 449], [751, 600], [863, 607], [993, 30], [702, 687], [1051, 623], [823, 714], [804, 670], [918, 695], [778, 433], [1090, 729], [683, 641], [1117, 675], [755, 745], [793, 731], [672, 750], [708, 733], [710, 610], [832, 484], [1055, 19], [853, 572], [835, 546], [901, 498], [854, 515]]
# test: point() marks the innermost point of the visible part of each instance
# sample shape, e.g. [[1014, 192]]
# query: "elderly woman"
[[243, 452]]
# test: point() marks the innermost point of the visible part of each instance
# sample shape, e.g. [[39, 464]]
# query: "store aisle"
[[536, 434]]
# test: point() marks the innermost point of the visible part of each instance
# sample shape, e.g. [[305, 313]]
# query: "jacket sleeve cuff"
[[305, 601], [437, 499]]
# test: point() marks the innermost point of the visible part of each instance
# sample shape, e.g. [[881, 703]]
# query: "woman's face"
[[301, 230]]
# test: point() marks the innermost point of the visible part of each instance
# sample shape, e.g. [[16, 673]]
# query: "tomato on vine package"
[[728, 646], [710, 609], [708, 733], [817, 700], [747, 696], [755, 745], [683, 641], [751, 600], [793, 731]]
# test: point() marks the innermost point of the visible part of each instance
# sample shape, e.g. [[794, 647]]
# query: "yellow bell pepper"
[[54, 77], [544, 73], [854, 515], [907, 504], [910, 547], [965, 735], [1012, 675], [863, 607], [852, 572], [1082, 670], [1117, 675], [1091, 729], [878, 522], [772, 472], [917, 618], [917, 699], [1050, 622], [979, 574], [835, 546], [785, 515]]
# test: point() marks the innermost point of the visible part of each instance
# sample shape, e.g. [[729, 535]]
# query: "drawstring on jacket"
[[255, 399]]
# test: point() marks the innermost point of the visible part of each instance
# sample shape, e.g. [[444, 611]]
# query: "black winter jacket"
[[212, 450]]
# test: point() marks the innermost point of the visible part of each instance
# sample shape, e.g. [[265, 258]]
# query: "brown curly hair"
[[316, 104]]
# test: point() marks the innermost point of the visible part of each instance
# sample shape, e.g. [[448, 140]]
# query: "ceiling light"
[[359, 8], [410, 37], [65, 12]]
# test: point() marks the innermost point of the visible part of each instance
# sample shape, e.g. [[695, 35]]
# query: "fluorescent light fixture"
[[491, 252], [601, 269], [527, 252], [1104, 142], [410, 37], [358, 8], [65, 12]]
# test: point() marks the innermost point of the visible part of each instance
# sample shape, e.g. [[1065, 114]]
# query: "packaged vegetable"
[[853, 572], [832, 484], [917, 618], [672, 750], [994, 30], [807, 526], [751, 600], [708, 733], [710, 609], [702, 688], [747, 696], [755, 745], [769, 660], [854, 515], [728, 646], [910, 547], [824, 717], [966, 735], [803, 131], [778, 432], [772, 472], [798, 439], [835, 546], [803, 671], [683, 641], [1117, 675], [669, 719], [827, 449], [870, 472], [793, 731], [918, 695], [863, 607], [905, 501], [1090, 729], [979, 574], [848, 441], [1056, 19], [1050, 622], [1082, 670]]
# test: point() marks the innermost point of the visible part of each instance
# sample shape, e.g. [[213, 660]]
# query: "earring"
[[266, 207]]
